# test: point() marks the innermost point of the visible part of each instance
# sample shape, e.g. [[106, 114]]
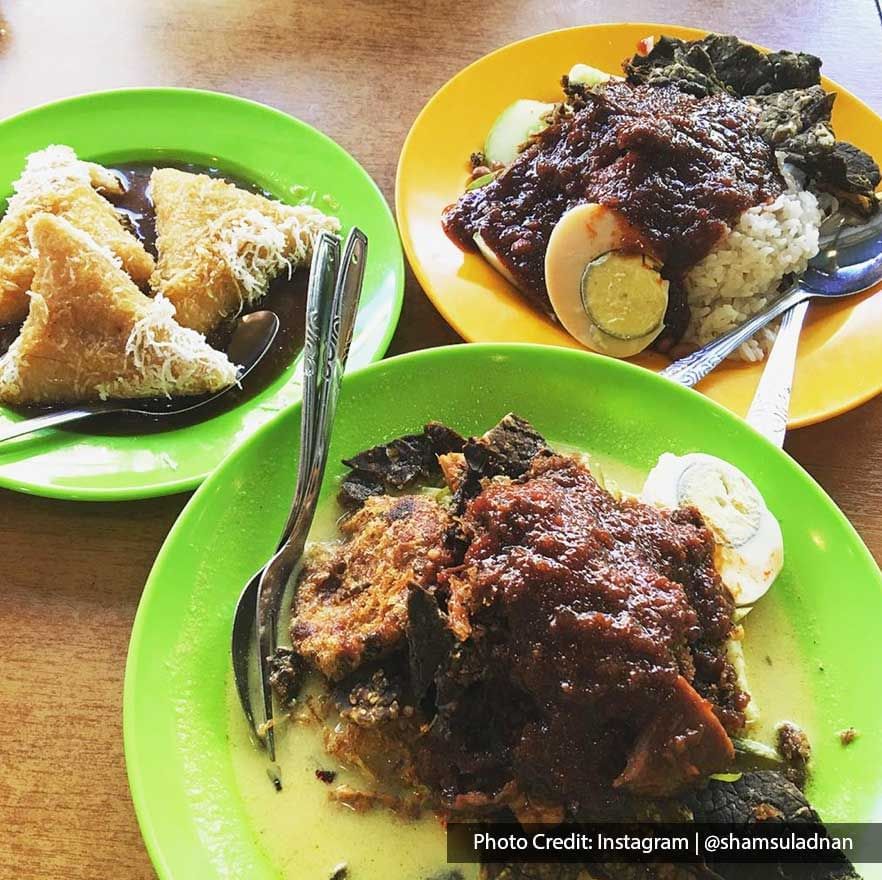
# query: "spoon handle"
[[771, 403], [334, 328], [28, 426], [690, 370]]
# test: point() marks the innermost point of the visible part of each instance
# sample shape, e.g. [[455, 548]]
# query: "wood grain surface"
[[71, 574]]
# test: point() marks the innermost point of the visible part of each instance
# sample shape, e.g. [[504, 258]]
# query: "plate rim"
[[173, 485], [816, 416], [144, 808]]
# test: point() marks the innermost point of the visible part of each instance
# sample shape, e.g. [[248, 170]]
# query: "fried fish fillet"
[[55, 181], [219, 246], [90, 333], [351, 603]]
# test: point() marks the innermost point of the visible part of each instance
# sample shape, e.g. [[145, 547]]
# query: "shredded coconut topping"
[[257, 247], [171, 358], [9, 375], [51, 168]]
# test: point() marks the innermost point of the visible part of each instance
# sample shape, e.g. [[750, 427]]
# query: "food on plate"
[[56, 181], [587, 76], [710, 167], [494, 632], [113, 299], [616, 302], [91, 334], [513, 126], [352, 604], [220, 246], [749, 544]]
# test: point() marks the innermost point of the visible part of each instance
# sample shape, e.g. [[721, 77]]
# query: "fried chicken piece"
[[91, 333], [351, 603], [219, 246], [56, 182], [684, 742]]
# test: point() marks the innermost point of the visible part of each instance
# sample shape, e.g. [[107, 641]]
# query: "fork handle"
[[329, 348], [690, 370], [339, 336], [50, 420], [771, 404]]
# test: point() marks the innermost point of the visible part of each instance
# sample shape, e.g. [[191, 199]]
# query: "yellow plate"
[[840, 358]]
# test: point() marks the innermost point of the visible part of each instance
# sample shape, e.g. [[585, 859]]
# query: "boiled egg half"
[[604, 289], [750, 547]]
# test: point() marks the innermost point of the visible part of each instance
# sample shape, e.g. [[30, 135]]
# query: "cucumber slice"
[[624, 295], [590, 77], [483, 180], [515, 125]]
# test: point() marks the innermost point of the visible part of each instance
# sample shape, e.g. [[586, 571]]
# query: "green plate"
[[827, 602], [252, 142]]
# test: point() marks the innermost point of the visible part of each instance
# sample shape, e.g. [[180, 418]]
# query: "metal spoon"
[[859, 272], [251, 339], [838, 267], [332, 302]]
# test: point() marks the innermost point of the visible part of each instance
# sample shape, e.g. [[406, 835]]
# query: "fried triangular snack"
[[55, 181], [219, 246], [91, 334]]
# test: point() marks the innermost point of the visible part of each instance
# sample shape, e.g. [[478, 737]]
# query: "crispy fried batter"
[[91, 333], [56, 182], [351, 604], [220, 246]]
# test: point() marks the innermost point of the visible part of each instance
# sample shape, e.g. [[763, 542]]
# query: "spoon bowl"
[[250, 341], [850, 262], [842, 268]]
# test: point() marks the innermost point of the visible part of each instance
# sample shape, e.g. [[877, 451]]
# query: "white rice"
[[741, 275]]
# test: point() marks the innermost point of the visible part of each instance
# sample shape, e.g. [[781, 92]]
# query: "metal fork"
[[332, 303]]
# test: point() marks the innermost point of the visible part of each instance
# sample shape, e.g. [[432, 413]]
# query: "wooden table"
[[71, 574]]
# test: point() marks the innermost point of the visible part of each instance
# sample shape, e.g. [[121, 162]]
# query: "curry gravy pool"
[[307, 835]]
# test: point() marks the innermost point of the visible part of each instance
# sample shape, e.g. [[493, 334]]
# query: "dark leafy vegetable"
[[722, 62], [765, 796], [505, 450], [395, 465], [428, 639], [784, 88]]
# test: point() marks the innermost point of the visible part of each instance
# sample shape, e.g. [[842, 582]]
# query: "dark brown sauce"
[[680, 169], [286, 297], [583, 613]]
